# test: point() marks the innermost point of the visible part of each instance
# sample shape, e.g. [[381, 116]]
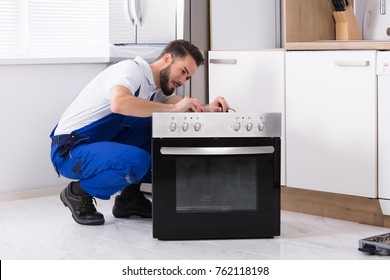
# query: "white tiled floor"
[[42, 228]]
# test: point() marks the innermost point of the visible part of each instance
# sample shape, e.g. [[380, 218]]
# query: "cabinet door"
[[158, 22], [250, 81], [331, 121], [245, 24]]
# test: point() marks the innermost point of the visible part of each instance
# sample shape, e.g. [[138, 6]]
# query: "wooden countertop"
[[338, 45]]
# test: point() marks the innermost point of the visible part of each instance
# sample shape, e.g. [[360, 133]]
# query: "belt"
[[65, 143], [61, 138]]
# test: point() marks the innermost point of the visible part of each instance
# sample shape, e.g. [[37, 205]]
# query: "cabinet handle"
[[223, 61], [382, 7], [351, 63]]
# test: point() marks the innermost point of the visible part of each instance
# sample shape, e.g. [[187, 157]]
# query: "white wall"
[[32, 99]]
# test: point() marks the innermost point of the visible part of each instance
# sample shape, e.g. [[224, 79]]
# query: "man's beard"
[[164, 81]]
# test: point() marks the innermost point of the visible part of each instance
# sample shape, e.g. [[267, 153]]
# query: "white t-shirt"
[[93, 102]]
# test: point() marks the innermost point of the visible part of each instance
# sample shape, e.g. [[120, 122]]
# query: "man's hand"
[[188, 104], [218, 105]]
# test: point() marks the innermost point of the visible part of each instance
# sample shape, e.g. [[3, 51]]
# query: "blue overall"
[[106, 155]]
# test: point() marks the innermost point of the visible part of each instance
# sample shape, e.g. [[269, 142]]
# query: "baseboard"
[[47, 192], [344, 207], [30, 193], [386, 222]]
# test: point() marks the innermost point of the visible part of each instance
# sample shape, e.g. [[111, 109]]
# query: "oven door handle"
[[255, 150]]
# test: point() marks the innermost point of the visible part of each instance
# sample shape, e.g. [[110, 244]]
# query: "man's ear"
[[167, 58]]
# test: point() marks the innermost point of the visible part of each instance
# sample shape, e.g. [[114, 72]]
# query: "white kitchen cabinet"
[[250, 81], [331, 121], [245, 24]]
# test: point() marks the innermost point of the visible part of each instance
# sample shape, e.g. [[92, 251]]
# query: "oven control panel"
[[193, 125]]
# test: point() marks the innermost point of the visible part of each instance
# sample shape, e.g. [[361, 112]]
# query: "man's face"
[[177, 72]]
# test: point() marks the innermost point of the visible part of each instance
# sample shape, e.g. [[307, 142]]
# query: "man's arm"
[[125, 103], [219, 104]]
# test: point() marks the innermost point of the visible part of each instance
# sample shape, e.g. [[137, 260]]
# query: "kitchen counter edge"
[[338, 45]]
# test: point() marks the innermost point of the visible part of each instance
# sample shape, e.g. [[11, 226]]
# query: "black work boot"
[[82, 208], [138, 205]]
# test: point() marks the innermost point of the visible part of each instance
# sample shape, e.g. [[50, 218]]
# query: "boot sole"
[[66, 202], [128, 214]]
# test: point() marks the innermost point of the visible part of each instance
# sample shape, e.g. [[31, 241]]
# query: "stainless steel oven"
[[216, 175]]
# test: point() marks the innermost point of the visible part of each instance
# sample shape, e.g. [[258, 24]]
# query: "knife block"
[[347, 27]]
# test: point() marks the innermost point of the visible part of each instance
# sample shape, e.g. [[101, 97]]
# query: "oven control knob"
[[185, 126], [249, 126], [236, 126], [197, 126], [172, 126], [261, 126]]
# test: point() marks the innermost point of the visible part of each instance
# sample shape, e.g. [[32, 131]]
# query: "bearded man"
[[103, 139]]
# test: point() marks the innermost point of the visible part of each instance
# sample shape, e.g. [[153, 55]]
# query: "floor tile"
[[42, 228]]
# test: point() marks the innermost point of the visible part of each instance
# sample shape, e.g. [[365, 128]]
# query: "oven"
[[216, 175]]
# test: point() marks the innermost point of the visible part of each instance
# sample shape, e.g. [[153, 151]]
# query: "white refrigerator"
[[144, 27]]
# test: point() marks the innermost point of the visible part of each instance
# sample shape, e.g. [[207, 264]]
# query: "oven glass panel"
[[216, 183]]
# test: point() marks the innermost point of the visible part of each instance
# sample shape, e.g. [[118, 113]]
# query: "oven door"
[[216, 188]]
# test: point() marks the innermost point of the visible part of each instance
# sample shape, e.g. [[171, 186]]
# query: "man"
[[103, 139]]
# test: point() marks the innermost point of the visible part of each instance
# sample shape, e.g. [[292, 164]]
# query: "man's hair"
[[182, 48]]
